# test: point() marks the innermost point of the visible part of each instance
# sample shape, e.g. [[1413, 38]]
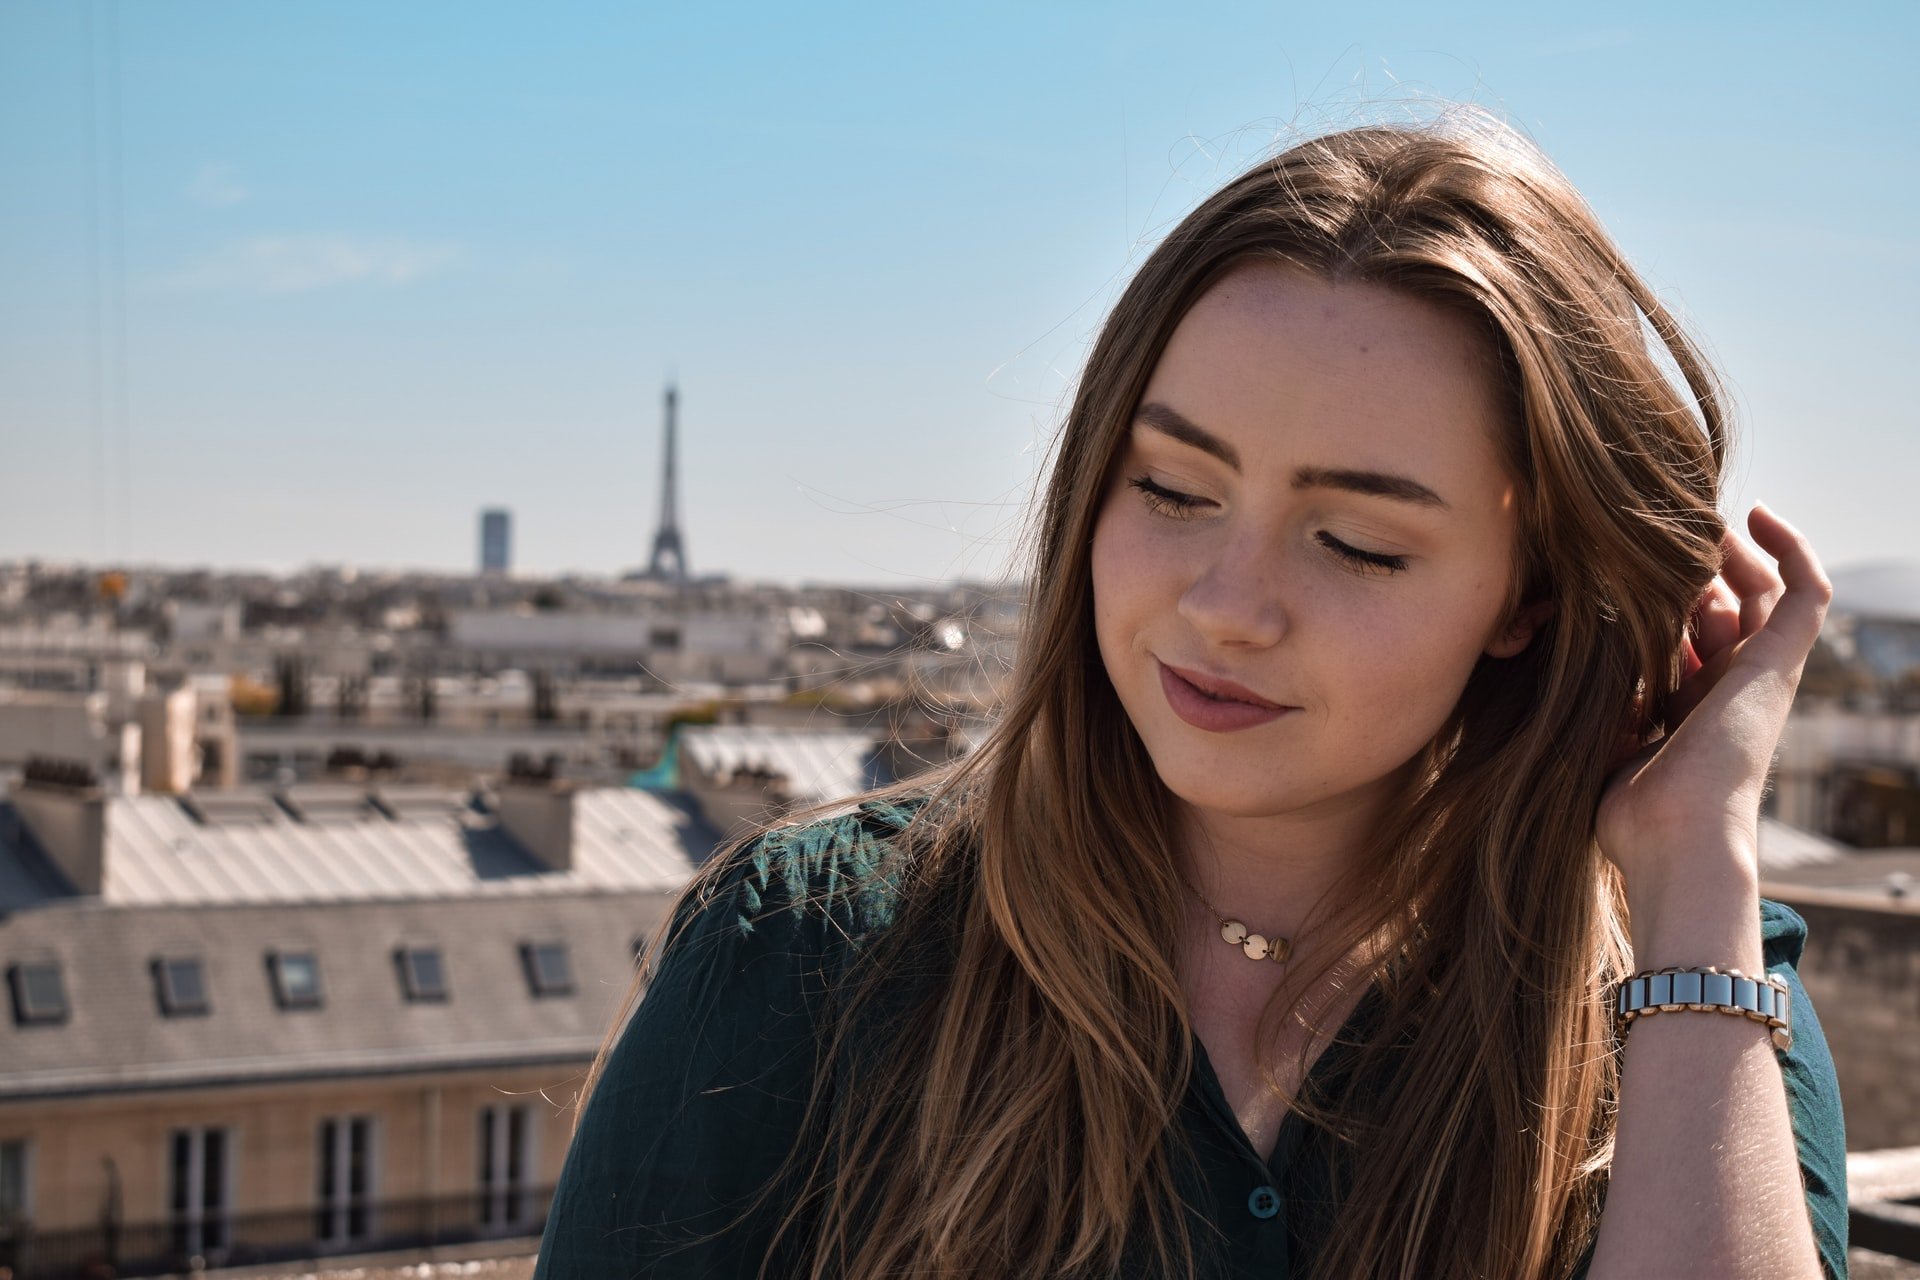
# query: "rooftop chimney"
[[745, 800], [536, 809], [167, 762], [64, 806]]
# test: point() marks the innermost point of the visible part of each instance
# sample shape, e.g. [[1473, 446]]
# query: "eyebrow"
[[1172, 423]]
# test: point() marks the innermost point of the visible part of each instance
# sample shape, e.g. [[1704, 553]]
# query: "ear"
[[1518, 632]]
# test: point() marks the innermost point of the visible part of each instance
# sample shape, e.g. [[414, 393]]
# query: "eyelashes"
[[1372, 561], [1180, 506], [1166, 501]]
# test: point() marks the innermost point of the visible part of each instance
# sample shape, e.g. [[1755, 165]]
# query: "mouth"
[[1211, 708], [1219, 690]]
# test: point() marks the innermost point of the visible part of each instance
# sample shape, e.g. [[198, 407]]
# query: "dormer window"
[[549, 971], [180, 985], [423, 976], [296, 979], [39, 994]]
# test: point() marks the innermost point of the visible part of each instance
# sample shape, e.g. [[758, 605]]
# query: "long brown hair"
[[1029, 1124]]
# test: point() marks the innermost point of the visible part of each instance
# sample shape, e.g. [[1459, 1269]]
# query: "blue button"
[[1264, 1202]]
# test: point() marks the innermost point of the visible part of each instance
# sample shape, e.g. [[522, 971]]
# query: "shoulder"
[[799, 900], [830, 882], [708, 1088]]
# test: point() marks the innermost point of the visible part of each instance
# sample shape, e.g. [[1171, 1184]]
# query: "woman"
[[1391, 691]]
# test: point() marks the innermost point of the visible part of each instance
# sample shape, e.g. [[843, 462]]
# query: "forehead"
[[1295, 370]]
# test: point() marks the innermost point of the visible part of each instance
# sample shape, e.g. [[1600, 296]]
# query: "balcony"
[[168, 1247]]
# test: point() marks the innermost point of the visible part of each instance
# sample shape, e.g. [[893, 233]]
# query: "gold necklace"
[[1255, 946]]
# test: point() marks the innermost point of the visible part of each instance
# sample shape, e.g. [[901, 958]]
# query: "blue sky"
[[346, 273]]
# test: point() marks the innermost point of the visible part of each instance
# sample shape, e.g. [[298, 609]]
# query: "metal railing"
[[244, 1239]]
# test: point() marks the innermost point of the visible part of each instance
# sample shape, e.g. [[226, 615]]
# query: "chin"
[[1210, 791]]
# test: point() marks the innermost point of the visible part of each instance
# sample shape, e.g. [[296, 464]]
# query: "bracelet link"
[[1765, 999]]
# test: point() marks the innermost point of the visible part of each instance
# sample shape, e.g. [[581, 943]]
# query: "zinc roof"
[[231, 878], [1785, 848], [819, 764], [251, 850]]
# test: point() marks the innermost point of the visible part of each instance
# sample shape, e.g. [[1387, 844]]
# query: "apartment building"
[[250, 1024]]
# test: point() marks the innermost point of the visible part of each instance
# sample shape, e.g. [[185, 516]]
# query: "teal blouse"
[[705, 1091]]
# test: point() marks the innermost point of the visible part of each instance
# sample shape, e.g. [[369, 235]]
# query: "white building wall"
[[1817, 737], [63, 726], [707, 632]]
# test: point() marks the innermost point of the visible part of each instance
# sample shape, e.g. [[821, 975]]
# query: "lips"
[[1216, 687], [1212, 705]]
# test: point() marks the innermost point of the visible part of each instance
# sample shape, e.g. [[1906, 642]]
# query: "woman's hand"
[[1705, 1177], [1679, 808]]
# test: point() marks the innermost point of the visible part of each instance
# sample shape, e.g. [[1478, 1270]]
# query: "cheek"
[[1106, 586], [1122, 569], [1413, 661]]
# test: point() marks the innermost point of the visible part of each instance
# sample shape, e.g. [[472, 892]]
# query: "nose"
[[1236, 599]]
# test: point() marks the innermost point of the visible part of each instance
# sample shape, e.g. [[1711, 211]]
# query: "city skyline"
[[339, 278]]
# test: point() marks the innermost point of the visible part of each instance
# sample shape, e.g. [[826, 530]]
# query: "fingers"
[[1716, 620], [1750, 596], [1753, 581], [1801, 605]]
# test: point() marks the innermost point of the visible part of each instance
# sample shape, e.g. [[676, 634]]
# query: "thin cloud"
[[301, 263], [217, 185]]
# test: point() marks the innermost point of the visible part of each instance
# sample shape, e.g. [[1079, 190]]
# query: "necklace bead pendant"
[[1256, 946]]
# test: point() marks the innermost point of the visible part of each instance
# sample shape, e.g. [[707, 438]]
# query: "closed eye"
[[1366, 561], [1168, 502], [1180, 506]]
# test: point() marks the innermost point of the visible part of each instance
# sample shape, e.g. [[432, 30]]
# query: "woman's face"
[[1311, 505]]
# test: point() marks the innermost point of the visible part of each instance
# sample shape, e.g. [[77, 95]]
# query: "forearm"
[[1706, 1177]]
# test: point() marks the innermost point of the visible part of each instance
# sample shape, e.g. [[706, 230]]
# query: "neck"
[[1269, 871]]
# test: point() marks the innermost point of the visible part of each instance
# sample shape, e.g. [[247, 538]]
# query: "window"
[[16, 1205], [296, 979], [180, 985], [549, 972], [39, 996], [201, 1191], [345, 1164], [422, 975], [506, 1158]]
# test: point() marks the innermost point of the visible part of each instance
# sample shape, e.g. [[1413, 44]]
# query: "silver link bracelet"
[[1710, 989]]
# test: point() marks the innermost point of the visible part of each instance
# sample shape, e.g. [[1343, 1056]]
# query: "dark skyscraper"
[[496, 539]]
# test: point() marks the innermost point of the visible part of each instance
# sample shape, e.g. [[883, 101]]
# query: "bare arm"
[[1706, 1176]]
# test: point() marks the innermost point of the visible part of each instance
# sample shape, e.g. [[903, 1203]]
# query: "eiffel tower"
[[666, 539]]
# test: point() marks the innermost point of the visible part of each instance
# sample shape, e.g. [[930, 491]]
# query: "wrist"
[[1701, 911]]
